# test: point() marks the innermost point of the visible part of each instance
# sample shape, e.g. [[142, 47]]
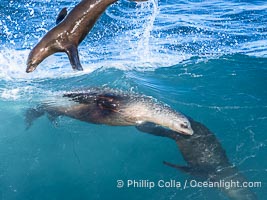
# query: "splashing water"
[[143, 48], [204, 58], [130, 36]]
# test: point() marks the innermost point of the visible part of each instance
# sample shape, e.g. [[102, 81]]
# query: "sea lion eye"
[[185, 126]]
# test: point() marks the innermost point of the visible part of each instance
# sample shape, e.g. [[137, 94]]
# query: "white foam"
[[13, 66], [152, 42], [12, 94]]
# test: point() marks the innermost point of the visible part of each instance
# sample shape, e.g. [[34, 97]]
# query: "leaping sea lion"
[[69, 32], [111, 107]]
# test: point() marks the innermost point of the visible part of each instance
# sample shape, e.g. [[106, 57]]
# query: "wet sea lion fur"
[[112, 107]]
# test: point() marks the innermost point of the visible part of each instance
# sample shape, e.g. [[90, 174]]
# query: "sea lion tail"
[[32, 114]]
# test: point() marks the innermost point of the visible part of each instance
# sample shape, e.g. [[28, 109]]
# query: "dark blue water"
[[207, 59]]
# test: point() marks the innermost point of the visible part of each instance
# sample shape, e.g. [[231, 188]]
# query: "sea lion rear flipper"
[[185, 169], [32, 114], [62, 14], [73, 55]]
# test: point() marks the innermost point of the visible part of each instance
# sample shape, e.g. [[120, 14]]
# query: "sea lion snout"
[[36, 56], [30, 66], [185, 128], [178, 123]]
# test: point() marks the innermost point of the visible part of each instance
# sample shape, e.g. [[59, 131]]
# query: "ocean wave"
[[129, 36]]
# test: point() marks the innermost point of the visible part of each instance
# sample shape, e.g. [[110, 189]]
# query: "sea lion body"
[[111, 107], [68, 33], [206, 159]]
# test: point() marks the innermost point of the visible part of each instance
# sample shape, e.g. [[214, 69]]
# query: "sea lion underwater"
[[69, 32], [205, 156], [111, 107], [206, 159]]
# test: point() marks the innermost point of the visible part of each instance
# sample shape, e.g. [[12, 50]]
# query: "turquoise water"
[[207, 59]]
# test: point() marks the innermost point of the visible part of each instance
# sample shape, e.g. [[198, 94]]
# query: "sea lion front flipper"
[[157, 130], [61, 15], [73, 55], [185, 169]]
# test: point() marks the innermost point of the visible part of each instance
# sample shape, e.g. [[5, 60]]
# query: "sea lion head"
[[182, 126], [37, 55]]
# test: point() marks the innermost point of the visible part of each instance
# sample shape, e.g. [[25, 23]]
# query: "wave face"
[[130, 36], [206, 59]]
